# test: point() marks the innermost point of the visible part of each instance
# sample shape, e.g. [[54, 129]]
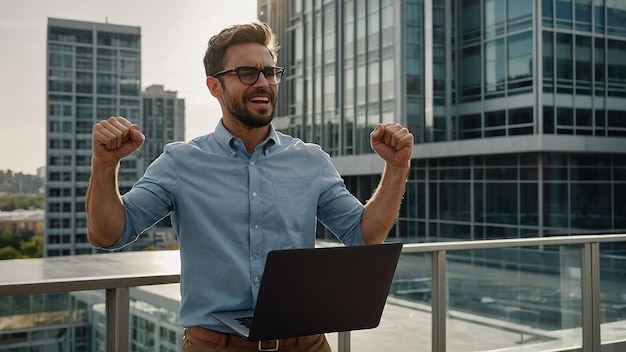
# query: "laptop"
[[318, 290]]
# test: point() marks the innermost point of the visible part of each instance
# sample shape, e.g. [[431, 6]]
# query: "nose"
[[261, 80]]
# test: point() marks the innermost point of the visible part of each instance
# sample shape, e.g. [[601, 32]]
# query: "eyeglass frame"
[[277, 71]]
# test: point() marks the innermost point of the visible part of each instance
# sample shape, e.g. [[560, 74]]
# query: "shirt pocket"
[[296, 204]]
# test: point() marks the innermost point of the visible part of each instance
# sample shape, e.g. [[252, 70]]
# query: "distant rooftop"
[[22, 214]]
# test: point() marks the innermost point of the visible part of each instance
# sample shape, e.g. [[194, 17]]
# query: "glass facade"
[[519, 117], [529, 71]]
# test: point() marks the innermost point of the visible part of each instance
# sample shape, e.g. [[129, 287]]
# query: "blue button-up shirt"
[[231, 208]]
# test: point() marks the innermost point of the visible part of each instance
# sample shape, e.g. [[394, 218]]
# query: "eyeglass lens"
[[249, 75]]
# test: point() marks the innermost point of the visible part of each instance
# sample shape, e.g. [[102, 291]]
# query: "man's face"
[[253, 105]]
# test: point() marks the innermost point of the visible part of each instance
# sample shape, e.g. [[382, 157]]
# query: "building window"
[[582, 14], [564, 121], [616, 17], [548, 62], [107, 83], [564, 63], [616, 123], [547, 12], [520, 61], [70, 35], [521, 121], [616, 68], [583, 65], [494, 68], [495, 122], [469, 126], [599, 122], [494, 18], [564, 13], [519, 14], [584, 122], [470, 73], [470, 21], [84, 82], [118, 39]]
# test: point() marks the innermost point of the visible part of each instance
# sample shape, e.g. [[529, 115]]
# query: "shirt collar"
[[231, 143]]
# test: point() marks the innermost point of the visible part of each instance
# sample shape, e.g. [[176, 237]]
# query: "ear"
[[215, 86]]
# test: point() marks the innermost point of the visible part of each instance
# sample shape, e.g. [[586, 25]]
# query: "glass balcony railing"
[[565, 293]]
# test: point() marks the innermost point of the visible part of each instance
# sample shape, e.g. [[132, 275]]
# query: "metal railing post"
[[590, 256], [438, 301], [117, 319], [343, 341]]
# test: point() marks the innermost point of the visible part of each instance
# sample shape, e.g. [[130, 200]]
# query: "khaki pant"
[[238, 344]]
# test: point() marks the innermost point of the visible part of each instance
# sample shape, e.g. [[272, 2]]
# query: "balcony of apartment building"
[[562, 293]]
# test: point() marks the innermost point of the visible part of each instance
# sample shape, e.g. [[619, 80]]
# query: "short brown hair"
[[254, 32]]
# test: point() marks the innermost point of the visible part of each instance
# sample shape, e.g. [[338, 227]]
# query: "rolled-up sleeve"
[[150, 200], [338, 209]]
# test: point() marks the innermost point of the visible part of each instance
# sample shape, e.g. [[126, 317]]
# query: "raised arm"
[[112, 140], [394, 144]]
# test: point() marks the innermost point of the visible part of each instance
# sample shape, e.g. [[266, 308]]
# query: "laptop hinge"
[[269, 345]]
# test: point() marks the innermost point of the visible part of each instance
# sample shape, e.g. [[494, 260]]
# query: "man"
[[239, 192]]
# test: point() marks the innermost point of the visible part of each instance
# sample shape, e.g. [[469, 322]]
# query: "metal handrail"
[[51, 275], [590, 254]]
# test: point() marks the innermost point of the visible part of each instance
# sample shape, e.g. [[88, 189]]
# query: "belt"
[[234, 340]]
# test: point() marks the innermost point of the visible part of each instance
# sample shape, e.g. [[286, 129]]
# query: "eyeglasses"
[[249, 74]]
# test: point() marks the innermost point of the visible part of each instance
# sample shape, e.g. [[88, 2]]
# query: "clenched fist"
[[114, 139], [393, 143]]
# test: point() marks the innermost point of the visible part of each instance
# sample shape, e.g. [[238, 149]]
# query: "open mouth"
[[259, 100]]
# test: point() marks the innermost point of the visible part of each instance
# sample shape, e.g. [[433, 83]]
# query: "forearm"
[[382, 210], [103, 204]]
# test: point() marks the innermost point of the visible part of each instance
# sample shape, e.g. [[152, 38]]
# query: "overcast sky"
[[174, 36]]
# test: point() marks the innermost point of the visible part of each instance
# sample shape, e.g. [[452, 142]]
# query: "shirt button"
[[256, 227], [252, 163], [255, 257], [254, 195], [257, 279]]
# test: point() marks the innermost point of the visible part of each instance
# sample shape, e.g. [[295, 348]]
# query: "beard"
[[238, 108]]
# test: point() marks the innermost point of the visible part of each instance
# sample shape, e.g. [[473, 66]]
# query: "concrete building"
[[163, 121], [20, 220], [94, 71]]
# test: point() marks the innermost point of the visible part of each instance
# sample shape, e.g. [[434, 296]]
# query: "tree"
[[25, 245], [9, 252], [7, 239], [28, 202], [32, 248]]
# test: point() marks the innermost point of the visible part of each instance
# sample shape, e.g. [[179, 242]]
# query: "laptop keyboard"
[[245, 321]]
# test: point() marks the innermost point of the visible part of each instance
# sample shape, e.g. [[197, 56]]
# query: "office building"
[[518, 109], [163, 121], [93, 72]]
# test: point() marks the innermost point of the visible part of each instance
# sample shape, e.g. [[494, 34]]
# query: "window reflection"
[[494, 68], [519, 14], [564, 13], [520, 60], [471, 77], [583, 65]]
